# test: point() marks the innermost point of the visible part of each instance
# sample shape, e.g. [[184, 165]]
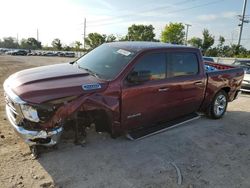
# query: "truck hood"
[[38, 85]]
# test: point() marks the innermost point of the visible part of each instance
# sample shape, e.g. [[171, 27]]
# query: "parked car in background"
[[69, 54], [32, 54], [210, 59], [39, 53], [49, 54], [60, 54], [245, 64], [9, 52], [3, 50], [19, 52]]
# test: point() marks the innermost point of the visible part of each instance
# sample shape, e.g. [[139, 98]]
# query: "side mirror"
[[139, 76]]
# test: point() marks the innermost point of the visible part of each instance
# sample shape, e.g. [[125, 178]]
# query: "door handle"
[[199, 83], [163, 89]]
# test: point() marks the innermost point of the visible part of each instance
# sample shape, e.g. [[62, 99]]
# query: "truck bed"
[[217, 66], [224, 77]]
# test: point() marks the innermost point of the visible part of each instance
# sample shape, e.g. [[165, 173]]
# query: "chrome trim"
[[245, 90], [30, 136], [133, 116]]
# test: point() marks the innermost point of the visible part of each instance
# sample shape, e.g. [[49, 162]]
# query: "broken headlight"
[[30, 113]]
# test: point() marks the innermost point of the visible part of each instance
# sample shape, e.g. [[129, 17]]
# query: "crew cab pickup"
[[120, 87]]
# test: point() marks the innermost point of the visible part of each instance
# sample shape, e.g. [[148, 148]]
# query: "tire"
[[218, 107]]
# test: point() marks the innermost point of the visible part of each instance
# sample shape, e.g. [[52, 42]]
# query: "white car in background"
[[245, 64]]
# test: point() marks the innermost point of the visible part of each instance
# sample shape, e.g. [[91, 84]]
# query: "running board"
[[149, 131]]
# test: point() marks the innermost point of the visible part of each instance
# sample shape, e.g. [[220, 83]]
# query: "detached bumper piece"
[[32, 138]]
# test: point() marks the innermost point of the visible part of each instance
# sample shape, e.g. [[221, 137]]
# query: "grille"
[[245, 87], [13, 109]]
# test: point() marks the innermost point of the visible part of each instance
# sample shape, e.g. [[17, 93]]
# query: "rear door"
[[184, 71]]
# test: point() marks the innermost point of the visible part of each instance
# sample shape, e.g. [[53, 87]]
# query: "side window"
[[152, 64], [182, 64]]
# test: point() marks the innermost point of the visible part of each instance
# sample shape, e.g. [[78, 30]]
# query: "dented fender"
[[88, 102]]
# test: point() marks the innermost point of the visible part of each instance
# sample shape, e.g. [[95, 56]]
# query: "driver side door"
[[147, 102]]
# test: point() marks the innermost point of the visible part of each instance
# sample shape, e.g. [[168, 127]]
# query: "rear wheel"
[[218, 106]]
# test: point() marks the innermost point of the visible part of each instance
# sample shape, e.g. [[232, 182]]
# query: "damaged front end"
[[26, 121], [43, 124]]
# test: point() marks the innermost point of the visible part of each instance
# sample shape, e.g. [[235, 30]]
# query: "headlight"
[[30, 113]]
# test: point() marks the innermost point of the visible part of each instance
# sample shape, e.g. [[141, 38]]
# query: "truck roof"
[[140, 46]]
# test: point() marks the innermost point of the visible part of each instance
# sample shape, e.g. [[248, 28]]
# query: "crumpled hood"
[[46, 83]]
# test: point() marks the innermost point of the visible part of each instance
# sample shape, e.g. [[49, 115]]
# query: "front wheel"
[[218, 106]]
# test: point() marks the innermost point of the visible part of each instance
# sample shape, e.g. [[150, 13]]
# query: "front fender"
[[96, 101]]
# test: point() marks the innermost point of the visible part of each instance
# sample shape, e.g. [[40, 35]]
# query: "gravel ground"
[[208, 153]]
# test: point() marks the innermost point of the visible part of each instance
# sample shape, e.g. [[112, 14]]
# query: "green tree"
[[221, 41], [140, 33], [56, 44], [208, 40], [220, 47], [205, 43], [110, 38], [213, 52], [9, 42], [173, 33], [77, 45], [67, 48], [94, 39], [30, 43], [196, 42]]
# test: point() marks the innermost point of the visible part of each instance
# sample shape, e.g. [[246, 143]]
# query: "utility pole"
[[187, 27], [84, 34], [17, 38], [37, 35], [242, 20]]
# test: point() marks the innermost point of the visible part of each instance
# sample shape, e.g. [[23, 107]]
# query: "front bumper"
[[245, 86], [45, 138], [15, 117]]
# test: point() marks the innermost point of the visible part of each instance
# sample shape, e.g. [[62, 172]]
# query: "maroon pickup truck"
[[120, 87]]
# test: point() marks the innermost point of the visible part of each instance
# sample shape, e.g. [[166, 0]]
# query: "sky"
[[64, 19]]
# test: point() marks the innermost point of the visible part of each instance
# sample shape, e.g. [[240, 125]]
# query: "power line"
[[142, 11], [169, 12], [227, 39]]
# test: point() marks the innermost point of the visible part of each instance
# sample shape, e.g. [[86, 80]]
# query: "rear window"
[[182, 64]]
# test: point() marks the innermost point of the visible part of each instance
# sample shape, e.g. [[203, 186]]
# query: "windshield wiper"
[[89, 71]]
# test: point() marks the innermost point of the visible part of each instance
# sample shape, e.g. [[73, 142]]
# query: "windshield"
[[105, 61]]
